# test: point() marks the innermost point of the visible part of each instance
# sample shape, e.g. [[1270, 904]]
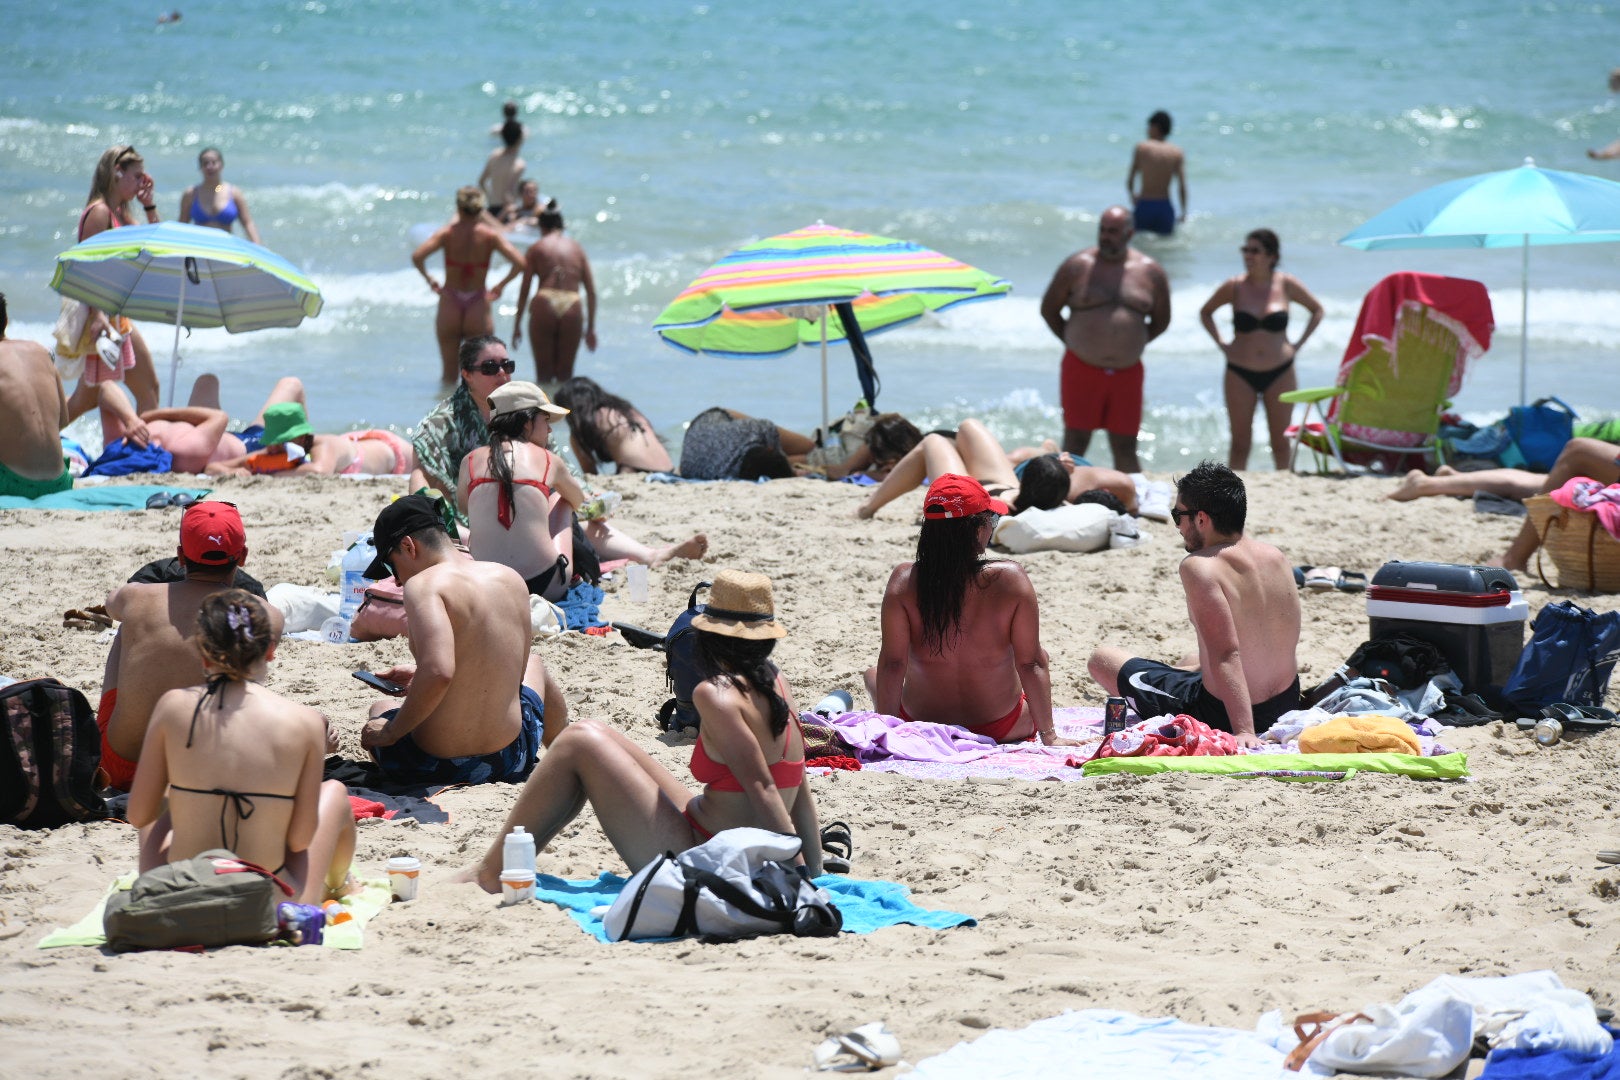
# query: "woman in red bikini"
[[749, 755], [518, 497], [468, 243], [1260, 358]]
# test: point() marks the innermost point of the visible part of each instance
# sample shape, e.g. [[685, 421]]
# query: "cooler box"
[[1473, 614]]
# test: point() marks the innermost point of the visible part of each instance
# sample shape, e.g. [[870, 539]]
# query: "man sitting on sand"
[[153, 647], [962, 635], [33, 410], [477, 704], [289, 445], [1245, 611]]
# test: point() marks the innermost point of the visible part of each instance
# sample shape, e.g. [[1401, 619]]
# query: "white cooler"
[[1474, 615]]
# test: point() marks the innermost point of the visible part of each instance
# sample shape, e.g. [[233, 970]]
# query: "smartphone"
[[380, 683]]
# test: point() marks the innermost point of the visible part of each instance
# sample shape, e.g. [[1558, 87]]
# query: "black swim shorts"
[[1154, 689]]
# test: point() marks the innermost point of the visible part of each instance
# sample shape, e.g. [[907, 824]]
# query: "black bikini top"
[[1244, 322]]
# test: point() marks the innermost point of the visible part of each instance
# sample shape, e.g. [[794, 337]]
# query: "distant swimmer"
[[1117, 300], [509, 114], [468, 243], [504, 170], [557, 267], [1157, 161], [214, 202], [1613, 149], [525, 213], [171, 17]]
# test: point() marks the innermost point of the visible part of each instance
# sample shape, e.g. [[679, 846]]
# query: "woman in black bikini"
[[1260, 358], [241, 765]]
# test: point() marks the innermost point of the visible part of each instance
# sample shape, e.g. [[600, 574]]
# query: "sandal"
[[637, 637], [95, 618], [1323, 577], [838, 844], [867, 1048]]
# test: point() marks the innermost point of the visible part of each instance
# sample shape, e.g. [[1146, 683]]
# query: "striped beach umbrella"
[[189, 275], [766, 299]]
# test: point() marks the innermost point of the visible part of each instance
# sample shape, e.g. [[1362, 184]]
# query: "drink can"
[[1549, 731], [1114, 716], [302, 924]]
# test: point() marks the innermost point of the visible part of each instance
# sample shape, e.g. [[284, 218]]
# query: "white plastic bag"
[[1070, 527]]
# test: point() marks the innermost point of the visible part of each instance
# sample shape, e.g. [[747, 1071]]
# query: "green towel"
[[1288, 766], [374, 895]]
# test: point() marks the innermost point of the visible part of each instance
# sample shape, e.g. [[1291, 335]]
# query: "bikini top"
[[472, 269], [718, 775], [226, 215], [241, 800], [505, 512], [1244, 322]]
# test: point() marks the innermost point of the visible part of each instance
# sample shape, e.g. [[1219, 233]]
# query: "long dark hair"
[[947, 561], [1044, 484], [503, 431], [891, 437], [582, 398], [744, 663]]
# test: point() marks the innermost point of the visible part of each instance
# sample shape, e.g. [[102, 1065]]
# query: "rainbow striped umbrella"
[[766, 299], [188, 274]]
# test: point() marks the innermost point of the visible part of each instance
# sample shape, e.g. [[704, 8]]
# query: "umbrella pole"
[[824, 416], [174, 358], [1524, 318]]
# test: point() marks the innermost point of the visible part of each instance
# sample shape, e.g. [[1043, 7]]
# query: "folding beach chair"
[[1405, 360]]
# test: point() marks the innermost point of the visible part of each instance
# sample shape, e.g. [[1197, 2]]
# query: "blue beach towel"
[[866, 905], [582, 606], [122, 459], [95, 497], [1550, 1065]]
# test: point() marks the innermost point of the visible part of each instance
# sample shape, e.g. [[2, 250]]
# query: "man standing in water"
[[1117, 300], [1157, 161], [1244, 607]]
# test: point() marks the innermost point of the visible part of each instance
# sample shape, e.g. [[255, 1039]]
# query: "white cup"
[[635, 575], [404, 873], [516, 886]]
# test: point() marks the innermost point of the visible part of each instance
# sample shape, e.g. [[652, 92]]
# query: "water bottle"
[[601, 506], [359, 556], [518, 851]]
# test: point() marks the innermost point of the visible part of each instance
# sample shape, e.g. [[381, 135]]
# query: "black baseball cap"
[[398, 520]]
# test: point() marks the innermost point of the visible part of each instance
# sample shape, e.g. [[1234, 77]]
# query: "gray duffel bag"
[[211, 899]]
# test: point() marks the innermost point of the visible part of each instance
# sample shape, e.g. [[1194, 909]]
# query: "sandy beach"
[[1205, 899]]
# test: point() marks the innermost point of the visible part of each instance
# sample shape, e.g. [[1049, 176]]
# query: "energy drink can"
[[1114, 716]]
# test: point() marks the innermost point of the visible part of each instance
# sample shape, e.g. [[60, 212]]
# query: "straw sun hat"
[[740, 606]]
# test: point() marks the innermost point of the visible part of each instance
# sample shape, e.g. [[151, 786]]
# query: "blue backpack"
[[680, 667], [1571, 653]]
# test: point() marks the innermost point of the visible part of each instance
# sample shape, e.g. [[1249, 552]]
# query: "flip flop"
[[867, 1048], [1351, 581], [157, 500], [639, 638], [1610, 857], [1323, 577], [838, 844], [95, 618], [1299, 575]]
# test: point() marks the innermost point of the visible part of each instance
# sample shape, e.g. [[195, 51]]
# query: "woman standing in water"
[[558, 266], [468, 243], [1260, 358], [214, 202]]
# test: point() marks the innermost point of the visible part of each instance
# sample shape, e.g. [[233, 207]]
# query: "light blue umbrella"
[[188, 274], [1522, 208]]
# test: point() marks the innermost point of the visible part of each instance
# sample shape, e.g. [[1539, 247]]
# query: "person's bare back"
[[1248, 586], [636, 449], [1156, 163], [33, 409]]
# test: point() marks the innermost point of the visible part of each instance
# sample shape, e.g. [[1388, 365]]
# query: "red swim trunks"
[[120, 773], [995, 729], [1107, 399]]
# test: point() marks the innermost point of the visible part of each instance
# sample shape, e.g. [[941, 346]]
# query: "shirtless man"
[[33, 411], [1157, 162], [1118, 300], [558, 265], [193, 434], [1245, 612], [468, 243], [477, 703], [153, 652], [980, 665], [504, 169], [1613, 149]]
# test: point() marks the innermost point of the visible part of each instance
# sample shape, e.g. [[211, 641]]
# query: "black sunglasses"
[[490, 367], [1176, 514]]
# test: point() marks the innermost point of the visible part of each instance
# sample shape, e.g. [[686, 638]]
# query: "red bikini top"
[[718, 775]]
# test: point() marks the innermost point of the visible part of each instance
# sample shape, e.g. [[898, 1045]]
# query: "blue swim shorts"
[[1156, 216], [252, 437], [407, 763]]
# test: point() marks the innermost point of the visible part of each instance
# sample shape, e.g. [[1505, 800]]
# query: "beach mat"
[[97, 497], [865, 905], [374, 895], [1288, 766]]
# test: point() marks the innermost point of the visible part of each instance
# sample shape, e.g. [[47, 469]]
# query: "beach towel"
[[96, 497], [582, 606], [121, 458], [374, 895], [1463, 306], [945, 752], [1103, 1044], [1585, 494], [865, 905], [1550, 1065], [1289, 766]]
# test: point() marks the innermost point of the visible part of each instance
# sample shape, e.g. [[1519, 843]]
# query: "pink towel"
[[1585, 494]]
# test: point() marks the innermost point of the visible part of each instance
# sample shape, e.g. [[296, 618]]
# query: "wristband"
[[149, 209]]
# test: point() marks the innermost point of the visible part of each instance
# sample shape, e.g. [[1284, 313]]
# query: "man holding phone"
[[477, 704]]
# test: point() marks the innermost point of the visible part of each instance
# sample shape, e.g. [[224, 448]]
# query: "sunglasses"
[[1250, 250], [1177, 514], [490, 367]]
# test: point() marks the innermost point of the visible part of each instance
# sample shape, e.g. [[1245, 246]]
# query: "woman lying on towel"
[[749, 755], [1048, 480], [604, 427], [241, 765]]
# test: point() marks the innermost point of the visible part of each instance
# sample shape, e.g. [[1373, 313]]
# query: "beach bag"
[[51, 756], [1070, 527], [1586, 556], [71, 321], [740, 883], [211, 899], [680, 667], [1540, 431], [1571, 654], [381, 614]]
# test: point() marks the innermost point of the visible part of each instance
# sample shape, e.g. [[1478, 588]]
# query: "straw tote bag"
[[1587, 557]]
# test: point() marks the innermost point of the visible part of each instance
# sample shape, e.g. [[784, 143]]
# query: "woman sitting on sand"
[[1260, 358], [977, 453], [240, 765], [604, 427], [749, 754], [518, 496]]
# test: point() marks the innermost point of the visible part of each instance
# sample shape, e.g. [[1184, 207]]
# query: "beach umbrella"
[[1517, 208], [774, 295], [191, 275]]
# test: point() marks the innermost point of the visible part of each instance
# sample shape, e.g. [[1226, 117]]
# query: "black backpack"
[[680, 667], [1405, 661], [51, 756]]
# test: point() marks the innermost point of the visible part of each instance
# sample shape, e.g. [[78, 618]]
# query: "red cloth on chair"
[[1466, 304]]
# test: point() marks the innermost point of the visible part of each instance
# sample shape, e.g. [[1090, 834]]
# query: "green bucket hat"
[[284, 422]]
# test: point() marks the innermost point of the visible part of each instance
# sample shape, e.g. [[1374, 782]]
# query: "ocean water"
[[673, 133]]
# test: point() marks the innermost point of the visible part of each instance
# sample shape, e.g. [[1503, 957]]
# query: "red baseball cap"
[[211, 532], [954, 496]]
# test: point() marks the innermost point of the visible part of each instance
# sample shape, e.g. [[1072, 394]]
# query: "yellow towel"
[[1366, 734]]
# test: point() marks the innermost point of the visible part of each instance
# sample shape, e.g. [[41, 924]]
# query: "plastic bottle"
[[518, 851], [834, 704], [355, 561], [601, 506]]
